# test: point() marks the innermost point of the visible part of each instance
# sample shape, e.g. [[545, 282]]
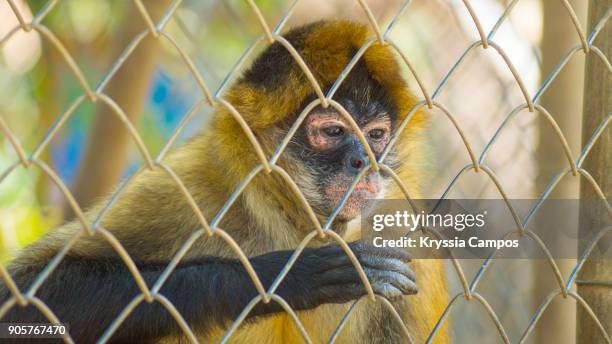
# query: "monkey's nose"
[[355, 163]]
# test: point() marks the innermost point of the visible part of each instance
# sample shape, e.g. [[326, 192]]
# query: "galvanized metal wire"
[[478, 163]]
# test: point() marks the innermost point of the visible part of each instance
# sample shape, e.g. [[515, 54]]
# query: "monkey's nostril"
[[356, 163]]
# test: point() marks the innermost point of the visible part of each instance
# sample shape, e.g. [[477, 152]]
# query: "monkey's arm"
[[88, 294]]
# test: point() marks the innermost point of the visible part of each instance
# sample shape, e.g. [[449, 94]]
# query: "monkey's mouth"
[[361, 198]]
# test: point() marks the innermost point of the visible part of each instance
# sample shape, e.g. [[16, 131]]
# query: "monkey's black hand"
[[386, 270], [327, 275]]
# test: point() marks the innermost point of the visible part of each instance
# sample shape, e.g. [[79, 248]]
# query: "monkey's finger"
[[343, 293], [387, 290], [395, 253], [386, 264], [355, 291], [330, 256], [397, 280], [349, 275], [334, 257], [340, 275], [389, 252]]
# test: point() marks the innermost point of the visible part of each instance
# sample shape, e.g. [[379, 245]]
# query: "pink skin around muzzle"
[[361, 197]]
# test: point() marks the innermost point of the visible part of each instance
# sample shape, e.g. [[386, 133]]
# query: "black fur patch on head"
[[363, 97], [273, 66]]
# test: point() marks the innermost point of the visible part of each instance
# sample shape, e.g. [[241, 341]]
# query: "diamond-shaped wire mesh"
[[429, 100]]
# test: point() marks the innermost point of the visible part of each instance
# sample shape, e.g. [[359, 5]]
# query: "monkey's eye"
[[333, 131], [376, 134]]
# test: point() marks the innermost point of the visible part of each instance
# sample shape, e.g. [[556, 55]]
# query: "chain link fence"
[[429, 99]]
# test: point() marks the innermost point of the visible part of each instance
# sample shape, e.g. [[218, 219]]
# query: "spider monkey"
[[210, 287]]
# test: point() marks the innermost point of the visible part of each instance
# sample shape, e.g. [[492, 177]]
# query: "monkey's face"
[[334, 156]]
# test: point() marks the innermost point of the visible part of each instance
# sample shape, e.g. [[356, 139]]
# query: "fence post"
[[593, 278], [563, 100]]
